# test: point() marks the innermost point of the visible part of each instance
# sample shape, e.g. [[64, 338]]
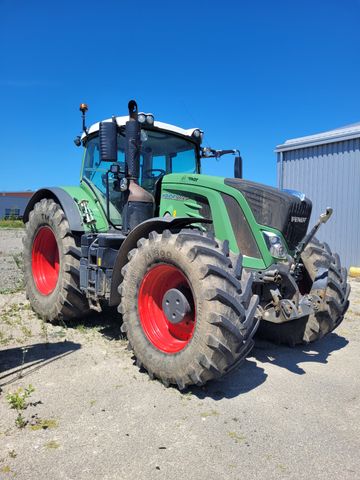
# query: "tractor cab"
[[127, 157], [160, 149]]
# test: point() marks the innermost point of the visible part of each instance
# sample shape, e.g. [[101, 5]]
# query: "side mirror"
[[238, 167], [108, 141]]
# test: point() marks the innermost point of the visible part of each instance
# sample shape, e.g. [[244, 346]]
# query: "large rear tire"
[[51, 264], [215, 334], [316, 257]]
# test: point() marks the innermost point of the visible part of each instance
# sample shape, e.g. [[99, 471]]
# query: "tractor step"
[[98, 255]]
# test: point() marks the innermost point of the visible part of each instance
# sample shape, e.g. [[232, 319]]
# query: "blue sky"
[[250, 74]]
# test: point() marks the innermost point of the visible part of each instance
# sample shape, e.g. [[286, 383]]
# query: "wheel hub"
[[175, 305]]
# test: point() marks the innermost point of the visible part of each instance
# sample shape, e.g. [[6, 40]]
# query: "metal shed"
[[326, 167]]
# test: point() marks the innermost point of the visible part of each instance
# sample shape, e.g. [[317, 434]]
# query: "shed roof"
[[16, 194], [338, 134]]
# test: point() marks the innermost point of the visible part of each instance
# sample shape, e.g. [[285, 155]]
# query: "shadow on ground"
[[250, 374], [244, 378], [290, 358], [108, 323], [19, 362]]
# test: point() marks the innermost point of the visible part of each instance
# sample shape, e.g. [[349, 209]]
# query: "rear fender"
[[142, 231]]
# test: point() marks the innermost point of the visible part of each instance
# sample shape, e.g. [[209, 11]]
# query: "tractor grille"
[[295, 230], [273, 208]]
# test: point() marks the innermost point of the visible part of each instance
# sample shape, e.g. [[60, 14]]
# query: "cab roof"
[[161, 125]]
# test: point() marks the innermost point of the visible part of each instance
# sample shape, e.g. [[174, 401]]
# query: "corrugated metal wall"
[[330, 176]]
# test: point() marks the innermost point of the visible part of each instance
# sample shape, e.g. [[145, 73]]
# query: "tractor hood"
[[274, 208]]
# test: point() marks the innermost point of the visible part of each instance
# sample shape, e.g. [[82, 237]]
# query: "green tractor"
[[196, 264]]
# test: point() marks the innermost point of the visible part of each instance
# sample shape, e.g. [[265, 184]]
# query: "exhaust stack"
[[133, 142], [140, 203]]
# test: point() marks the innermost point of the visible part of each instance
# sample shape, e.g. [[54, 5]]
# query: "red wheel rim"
[[45, 261], [164, 335]]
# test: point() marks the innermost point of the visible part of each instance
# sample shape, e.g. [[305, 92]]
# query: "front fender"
[[157, 224], [66, 202]]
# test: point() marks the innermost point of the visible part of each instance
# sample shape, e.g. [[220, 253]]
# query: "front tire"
[[51, 264], [217, 331]]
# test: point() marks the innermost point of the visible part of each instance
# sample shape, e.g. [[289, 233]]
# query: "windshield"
[[161, 153], [167, 152]]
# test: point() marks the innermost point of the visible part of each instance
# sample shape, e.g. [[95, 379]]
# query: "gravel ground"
[[10, 259], [286, 413]]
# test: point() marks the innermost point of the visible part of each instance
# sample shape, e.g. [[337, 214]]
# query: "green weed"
[[18, 259], [282, 467], [4, 340], [238, 438], [20, 421], [19, 401], [44, 424], [26, 331], [44, 331], [211, 413], [18, 288], [52, 444], [81, 328], [5, 469], [187, 396]]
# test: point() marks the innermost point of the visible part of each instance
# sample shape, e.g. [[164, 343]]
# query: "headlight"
[[275, 245], [197, 133], [150, 118], [143, 136], [141, 117]]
